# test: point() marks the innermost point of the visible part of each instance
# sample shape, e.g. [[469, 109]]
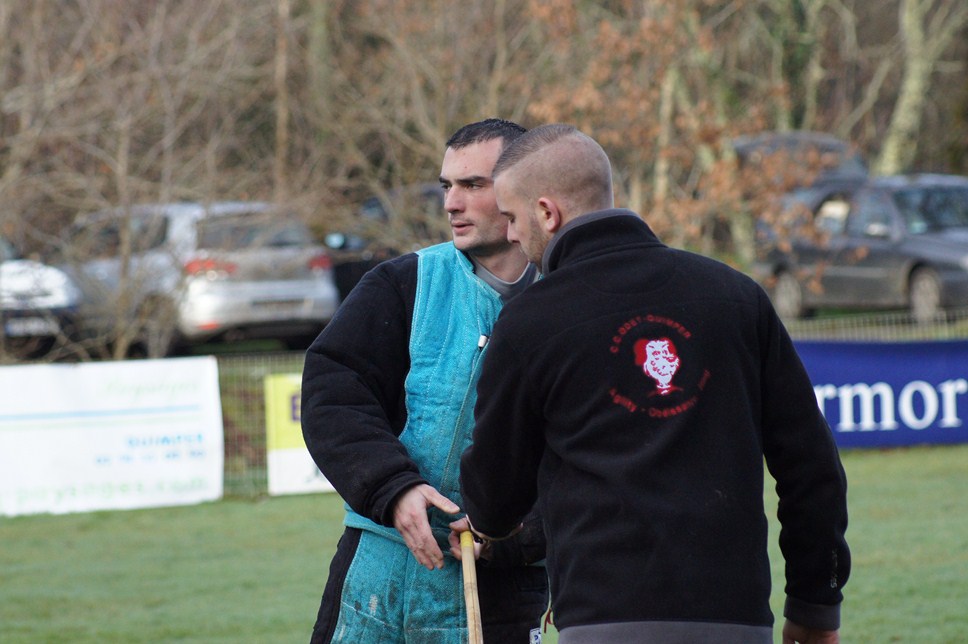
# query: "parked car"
[[882, 243], [403, 220], [831, 157], [38, 305], [198, 273]]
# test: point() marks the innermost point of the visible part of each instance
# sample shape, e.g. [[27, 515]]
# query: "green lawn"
[[252, 571]]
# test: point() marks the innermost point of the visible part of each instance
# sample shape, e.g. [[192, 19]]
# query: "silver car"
[[883, 243], [38, 305], [163, 276]]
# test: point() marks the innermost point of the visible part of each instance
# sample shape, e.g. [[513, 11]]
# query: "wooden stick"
[[475, 632]]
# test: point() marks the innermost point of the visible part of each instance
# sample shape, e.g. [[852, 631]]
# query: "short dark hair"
[[564, 161], [536, 139], [485, 130]]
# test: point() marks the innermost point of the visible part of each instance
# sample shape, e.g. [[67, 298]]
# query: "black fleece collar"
[[548, 264]]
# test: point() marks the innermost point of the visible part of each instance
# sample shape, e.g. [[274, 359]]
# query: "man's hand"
[[410, 520], [463, 525], [794, 633]]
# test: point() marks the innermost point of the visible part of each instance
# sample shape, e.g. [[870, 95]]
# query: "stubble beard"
[[483, 250]]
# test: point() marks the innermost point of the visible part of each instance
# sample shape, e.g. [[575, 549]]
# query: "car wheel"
[[924, 296], [788, 296]]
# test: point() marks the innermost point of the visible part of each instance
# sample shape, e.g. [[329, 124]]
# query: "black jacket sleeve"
[[353, 406], [508, 430], [802, 457], [527, 546]]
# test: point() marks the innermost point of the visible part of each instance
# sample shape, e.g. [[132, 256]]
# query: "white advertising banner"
[[109, 435]]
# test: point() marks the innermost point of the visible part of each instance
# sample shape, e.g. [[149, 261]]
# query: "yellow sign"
[[291, 470], [283, 429]]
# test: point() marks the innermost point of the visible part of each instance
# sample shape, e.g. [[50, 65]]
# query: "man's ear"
[[549, 215]]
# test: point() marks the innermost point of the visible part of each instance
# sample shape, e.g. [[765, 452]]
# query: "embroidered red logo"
[[659, 361], [657, 371]]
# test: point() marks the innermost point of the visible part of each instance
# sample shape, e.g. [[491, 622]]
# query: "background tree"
[[320, 104], [927, 28]]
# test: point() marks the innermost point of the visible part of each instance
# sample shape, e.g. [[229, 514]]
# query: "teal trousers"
[[377, 593]]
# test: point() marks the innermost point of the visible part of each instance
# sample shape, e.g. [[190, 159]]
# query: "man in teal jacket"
[[389, 389]]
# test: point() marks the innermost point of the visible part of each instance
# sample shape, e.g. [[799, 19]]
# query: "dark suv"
[[401, 221], [883, 243]]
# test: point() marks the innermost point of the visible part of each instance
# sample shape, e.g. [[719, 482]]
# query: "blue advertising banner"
[[890, 394]]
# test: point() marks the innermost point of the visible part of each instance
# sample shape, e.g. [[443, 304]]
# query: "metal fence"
[[881, 327], [243, 400], [241, 383]]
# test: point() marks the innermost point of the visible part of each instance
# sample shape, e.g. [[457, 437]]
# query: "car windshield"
[[262, 230], [927, 209]]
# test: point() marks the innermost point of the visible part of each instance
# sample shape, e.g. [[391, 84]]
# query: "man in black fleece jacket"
[[635, 393]]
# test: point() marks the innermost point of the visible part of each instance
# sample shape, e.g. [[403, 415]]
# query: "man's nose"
[[453, 201], [512, 234]]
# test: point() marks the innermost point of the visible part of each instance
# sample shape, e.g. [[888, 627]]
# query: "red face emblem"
[[659, 361], [656, 369]]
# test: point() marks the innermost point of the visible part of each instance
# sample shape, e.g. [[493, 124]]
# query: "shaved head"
[[560, 162]]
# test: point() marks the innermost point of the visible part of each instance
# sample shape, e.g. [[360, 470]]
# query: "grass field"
[[252, 571]]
